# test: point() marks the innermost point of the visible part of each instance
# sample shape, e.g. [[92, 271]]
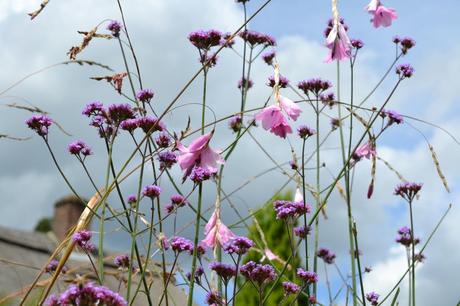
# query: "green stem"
[[413, 251], [318, 197]]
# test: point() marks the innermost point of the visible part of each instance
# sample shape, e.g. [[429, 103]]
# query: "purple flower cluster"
[[328, 99], [121, 261], [167, 159], [210, 59], [254, 38], [373, 298], [225, 271], [357, 43], [177, 201], [39, 124], [119, 112], [314, 86], [115, 27], [304, 131], [238, 245], [290, 288], [290, 209], [163, 140], [258, 273], [236, 123], [283, 83], [226, 41], [406, 43], [198, 273], [151, 191], [213, 298], [52, 266], [150, 124], [245, 84], [200, 174], [132, 199], [88, 294], [82, 239], [327, 255], [268, 57], [408, 190], [79, 147], [393, 117], [405, 237], [145, 95], [204, 40], [302, 231], [180, 244], [307, 276], [404, 71]]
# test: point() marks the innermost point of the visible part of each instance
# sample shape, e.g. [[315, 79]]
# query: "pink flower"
[[338, 43], [270, 255], [298, 197], [216, 232], [382, 16], [199, 154], [272, 117], [366, 150]]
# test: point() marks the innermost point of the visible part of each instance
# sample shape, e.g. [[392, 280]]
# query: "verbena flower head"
[[200, 154], [307, 276], [120, 112], [52, 266], [180, 244], [335, 123], [290, 288], [145, 95], [209, 59], [226, 41], [268, 57], [200, 174], [115, 27], [373, 298], [40, 124], [204, 40], [150, 124], [357, 43], [289, 210], [304, 131], [273, 119], [406, 44], [163, 140], [79, 147], [236, 123], [93, 108], [328, 99], [327, 255], [366, 150], [132, 199], [258, 273], [167, 159], [225, 271], [238, 245], [337, 42], [405, 237], [213, 298], [283, 81], [314, 86], [245, 84], [393, 117], [151, 191], [198, 273], [404, 71], [381, 15], [121, 261], [254, 38], [302, 231], [82, 239], [408, 190], [129, 125], [178, 200], [87, 294], [216, 232]]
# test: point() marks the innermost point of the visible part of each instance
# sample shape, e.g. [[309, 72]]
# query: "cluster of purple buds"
[[198, 273], [302, 231], [87, 294], [283, 81], [39, 124], [52, 266], [406, 43], [163, 140], [254, 38], [213, 298], [335, 123], [404, 71], [244, 84], [151, 191], [226, 41], [82, 239], [238, 245], [121, 261], [328, 99], [115, 27], [177, 201], [120, 112], [200, 174], [357, 43], [204, 40], [290, 209], [304, 131], [290, 288], [99, 118], [393, 117], [145, 95], [167, 159], [327, 255], [373, 298], [268, 57], [405, 237], [408, 190], [330, 25], [307, 276], [180, 244], [258, 273], [225, 271], [132, 199], [236, 123], [314, 86], [79, 147], [150, 124], [210, 59]]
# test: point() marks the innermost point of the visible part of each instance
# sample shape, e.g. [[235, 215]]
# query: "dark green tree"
[[43, 225]]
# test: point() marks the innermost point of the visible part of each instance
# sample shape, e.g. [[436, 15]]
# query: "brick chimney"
[[67, 211]]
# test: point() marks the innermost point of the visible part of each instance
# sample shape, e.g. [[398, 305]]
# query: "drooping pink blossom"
[[216, 232], [199, 154], [382, 16], [339, 43], [366, 150]]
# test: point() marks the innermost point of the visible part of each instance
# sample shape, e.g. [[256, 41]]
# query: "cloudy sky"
[[29, 183]]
